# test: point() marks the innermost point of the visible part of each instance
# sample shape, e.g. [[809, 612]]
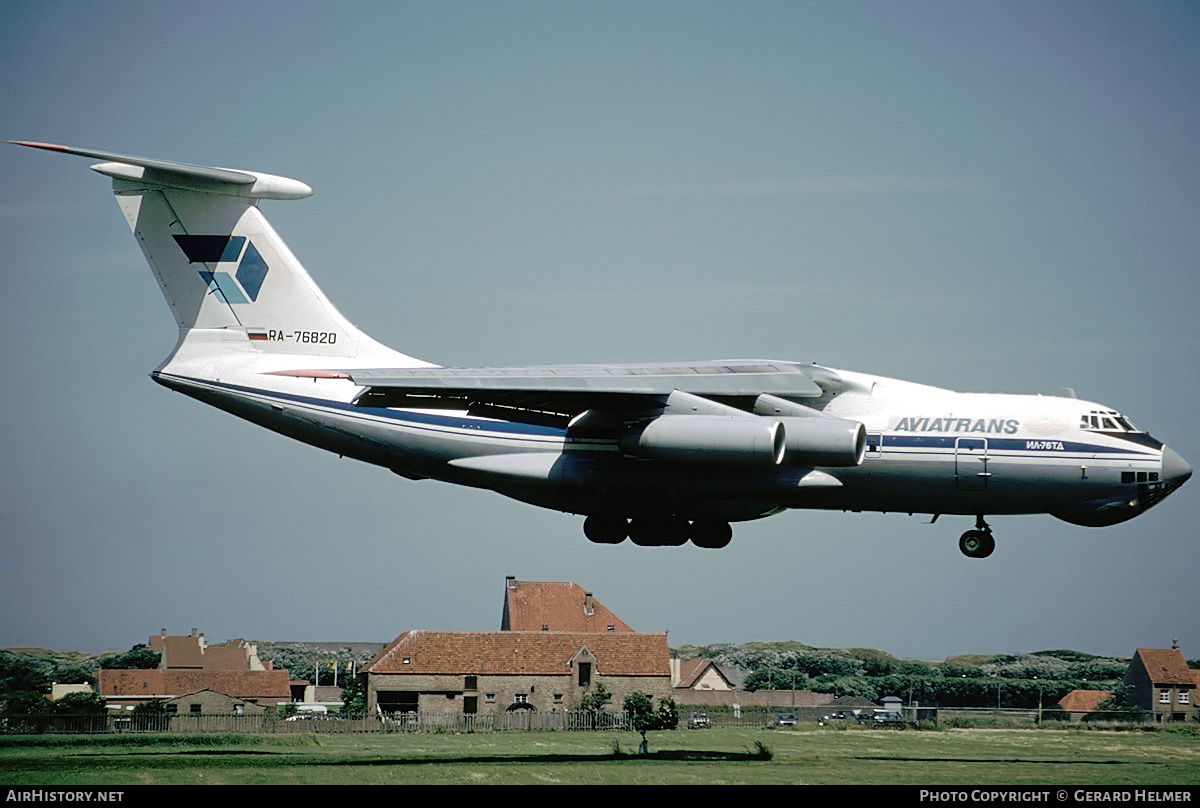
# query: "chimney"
[[510, 581], [588, 608]]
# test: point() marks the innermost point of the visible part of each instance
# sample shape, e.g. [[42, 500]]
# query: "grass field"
[[808, 755]]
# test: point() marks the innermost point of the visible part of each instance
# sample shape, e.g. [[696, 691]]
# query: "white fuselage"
[[930, 450]]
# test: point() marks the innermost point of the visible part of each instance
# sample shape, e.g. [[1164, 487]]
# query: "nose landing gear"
[[977, 543]]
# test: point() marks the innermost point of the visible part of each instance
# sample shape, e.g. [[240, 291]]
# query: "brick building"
[[556, 641], [489, 672], [192, 652], [123, 689], [555, 606], [1161, 683]]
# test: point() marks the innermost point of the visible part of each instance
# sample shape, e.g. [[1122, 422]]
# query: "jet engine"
[[709, 439], [826, 441]]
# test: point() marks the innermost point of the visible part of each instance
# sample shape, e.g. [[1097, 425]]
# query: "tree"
[[151, 707], [21, 673], [139, 657], [80, 704], [775, 679], [643, 717], [668, 714], [595, 698], [354, 697], [1120, 705], [151, 715], [28, 702]]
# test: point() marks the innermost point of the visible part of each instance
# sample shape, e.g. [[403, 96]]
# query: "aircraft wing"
[[567, 390], [739, 378]]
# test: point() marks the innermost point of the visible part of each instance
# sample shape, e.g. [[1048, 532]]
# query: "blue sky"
[[982, 196]]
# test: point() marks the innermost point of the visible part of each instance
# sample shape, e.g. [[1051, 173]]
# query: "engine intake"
[[827, 441]]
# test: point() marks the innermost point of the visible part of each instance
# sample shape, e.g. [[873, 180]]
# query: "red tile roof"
[[175, 682], [544, 653], [1083, 701], [555, 606], [1165, 666], [191, 651], [692, 669]]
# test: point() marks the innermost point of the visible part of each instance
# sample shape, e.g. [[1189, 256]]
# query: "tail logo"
[[245, 283]]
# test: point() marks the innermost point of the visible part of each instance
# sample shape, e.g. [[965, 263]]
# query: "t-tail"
[[248, 313]]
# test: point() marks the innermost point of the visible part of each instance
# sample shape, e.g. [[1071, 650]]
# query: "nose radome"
[[1174, 468]]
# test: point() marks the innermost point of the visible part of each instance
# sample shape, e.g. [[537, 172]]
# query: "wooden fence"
[[515, 721]]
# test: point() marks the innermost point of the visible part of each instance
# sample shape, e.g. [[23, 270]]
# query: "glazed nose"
[[1174, 468]]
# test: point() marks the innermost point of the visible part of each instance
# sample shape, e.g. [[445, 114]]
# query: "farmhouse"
[[1161, 683], [488, 672], [191, 652], [699, 674], [556, 643], [1079, 703], [123, 689]]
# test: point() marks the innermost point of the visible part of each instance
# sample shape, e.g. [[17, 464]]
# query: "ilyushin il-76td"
[[658, 453]]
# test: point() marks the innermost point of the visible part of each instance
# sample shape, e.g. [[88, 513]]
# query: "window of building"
[[521, 698], [1164, 697], [1185, 697], [471, 683], [490, 698], [470, 705], [585, 674]]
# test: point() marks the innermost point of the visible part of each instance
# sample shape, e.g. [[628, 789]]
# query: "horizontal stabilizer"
[[232, 182]]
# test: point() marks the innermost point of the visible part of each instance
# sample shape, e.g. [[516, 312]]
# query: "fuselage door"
[[874, 445], [971, 464]]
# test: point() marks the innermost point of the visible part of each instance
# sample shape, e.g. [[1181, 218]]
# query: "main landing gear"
[[977, 543], [657, 531]]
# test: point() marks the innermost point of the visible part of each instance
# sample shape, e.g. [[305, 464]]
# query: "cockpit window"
[[1106, 421]]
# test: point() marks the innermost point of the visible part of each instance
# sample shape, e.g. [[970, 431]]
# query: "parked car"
[[699, 721], [785, 720], [843, 716], [836, 717]]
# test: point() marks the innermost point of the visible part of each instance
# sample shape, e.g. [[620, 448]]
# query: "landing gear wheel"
[[711, 534], [658, 531], [977, 543], [606, 529]]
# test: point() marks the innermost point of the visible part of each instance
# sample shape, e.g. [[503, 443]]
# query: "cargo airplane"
[[658, 453]]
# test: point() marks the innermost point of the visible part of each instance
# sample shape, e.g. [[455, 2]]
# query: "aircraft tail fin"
[[238, 294]]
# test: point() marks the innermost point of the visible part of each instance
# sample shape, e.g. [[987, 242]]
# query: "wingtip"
[[34, 144]]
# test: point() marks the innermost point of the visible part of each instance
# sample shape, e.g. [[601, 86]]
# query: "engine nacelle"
[[752, 441], [826, 441]]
